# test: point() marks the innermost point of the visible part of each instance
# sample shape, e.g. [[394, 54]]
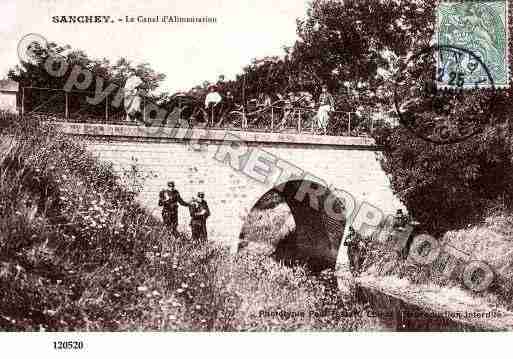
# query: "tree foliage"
[[32, 73]]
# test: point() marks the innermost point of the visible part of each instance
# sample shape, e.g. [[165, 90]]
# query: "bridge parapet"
[[185, 134]]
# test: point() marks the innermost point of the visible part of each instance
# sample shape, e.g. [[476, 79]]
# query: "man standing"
[[351, 242], [205, 214], [169, 199], [199, 213], [326, 105], [132, 97], [213, 102]]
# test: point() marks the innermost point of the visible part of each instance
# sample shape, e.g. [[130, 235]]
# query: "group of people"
[[170, 199], [218, 101]]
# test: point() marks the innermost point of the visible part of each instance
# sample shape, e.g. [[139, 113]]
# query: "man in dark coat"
[[199, 213], [169, 199], [353, 253]]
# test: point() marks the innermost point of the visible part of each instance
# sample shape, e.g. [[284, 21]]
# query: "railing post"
[[312, 116], [299, 121], [22, 101], [180, 110], [107, 109], [272, 119], [349, 124], [66, 108]]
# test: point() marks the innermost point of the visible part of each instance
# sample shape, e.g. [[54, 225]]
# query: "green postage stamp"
[[479, 27]]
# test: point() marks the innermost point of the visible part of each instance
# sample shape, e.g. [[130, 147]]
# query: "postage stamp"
[[482, 28]]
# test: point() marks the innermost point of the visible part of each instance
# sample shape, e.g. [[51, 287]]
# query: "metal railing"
[[72, 106]]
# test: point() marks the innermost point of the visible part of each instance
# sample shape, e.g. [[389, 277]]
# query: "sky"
[[187, 53]]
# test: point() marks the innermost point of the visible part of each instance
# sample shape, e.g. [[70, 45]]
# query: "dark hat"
[[170, 183], [201, 194]]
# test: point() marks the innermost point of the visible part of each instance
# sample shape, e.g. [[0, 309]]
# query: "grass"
[[77, 252]]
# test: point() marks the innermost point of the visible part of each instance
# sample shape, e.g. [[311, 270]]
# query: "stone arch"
[[320, 220]]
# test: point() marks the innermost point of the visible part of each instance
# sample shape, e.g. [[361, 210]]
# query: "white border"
[[268, 345]]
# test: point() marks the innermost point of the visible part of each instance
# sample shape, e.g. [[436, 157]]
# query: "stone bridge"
[[316, 176]]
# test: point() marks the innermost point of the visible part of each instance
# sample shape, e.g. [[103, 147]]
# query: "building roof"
[[8, 86]]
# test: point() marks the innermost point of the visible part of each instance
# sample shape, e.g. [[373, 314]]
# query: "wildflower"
[[184, 285], [202, 285], [155, 293], [192, 274], [142, 288], [198, 307], [180, 290]]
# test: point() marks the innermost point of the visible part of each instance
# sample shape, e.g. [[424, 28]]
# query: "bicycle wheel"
[[234, 120]]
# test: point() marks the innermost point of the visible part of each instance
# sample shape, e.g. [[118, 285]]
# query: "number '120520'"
[[68, 345]]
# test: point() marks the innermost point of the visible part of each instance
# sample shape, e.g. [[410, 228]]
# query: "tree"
[[33, 74]]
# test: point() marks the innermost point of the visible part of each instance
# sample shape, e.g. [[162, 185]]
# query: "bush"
[[447, 187]]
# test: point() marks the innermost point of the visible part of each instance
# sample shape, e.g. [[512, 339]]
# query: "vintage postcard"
[[232, 166]]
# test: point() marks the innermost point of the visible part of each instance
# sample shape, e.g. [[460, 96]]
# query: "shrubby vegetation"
[[450, 186]]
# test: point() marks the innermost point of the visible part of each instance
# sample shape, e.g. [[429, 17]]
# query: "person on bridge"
[[326, 105], [132, 97], [199, 212], [169, 199], [213, 103]]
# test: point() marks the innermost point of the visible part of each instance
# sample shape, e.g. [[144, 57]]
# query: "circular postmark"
[[444, 94], [29, 46]]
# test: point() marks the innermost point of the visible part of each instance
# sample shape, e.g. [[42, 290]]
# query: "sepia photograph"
[[307, 166]]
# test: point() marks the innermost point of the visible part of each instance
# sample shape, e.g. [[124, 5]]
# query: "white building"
[[8, 96]]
